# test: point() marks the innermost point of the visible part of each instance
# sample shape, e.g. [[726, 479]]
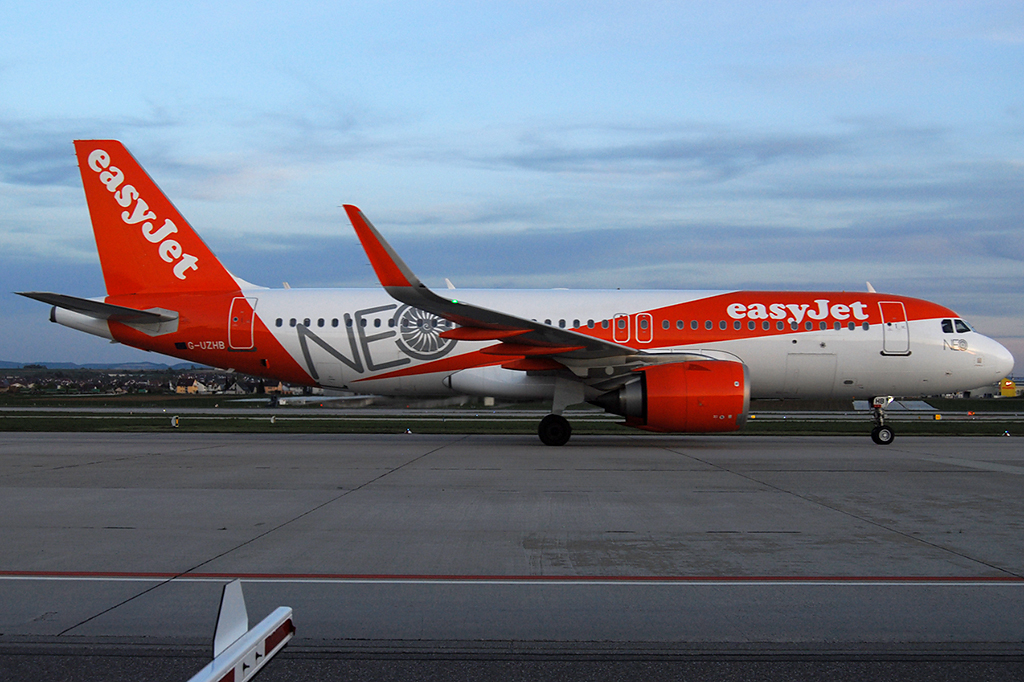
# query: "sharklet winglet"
[[390, 269]]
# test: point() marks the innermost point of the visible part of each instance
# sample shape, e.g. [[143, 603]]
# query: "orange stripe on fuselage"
[[450, 364]]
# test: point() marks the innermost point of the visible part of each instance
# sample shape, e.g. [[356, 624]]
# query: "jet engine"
[[690, 397]]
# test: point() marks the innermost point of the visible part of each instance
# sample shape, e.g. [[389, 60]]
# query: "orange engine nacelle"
[[692, 397]]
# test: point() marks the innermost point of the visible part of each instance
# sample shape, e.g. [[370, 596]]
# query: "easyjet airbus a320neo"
[[667, 361]]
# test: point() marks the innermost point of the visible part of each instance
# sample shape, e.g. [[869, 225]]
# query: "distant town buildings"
[[41, 380]]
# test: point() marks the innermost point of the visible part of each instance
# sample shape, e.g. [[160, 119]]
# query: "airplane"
[[667, 361]]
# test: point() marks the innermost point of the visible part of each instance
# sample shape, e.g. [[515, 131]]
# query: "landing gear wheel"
[[882, 435], [554, 429]]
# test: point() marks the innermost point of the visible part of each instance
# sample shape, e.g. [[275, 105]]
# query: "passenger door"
[[240, 323], [895, 330]]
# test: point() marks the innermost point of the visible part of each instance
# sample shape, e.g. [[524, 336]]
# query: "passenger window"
[[622, 323], [780, 325], [665, 324], [561, 323], [279, 322], [305, 323], [590, 324], [362, 322], [693, 324], [751, 325], [866, 326], [809, 325], [547, 322], [334, 322], [376, 323], [961, 327], [320, 322], [604, 324], [766, 325], [575, 324], [391, 322], [839, 325], [680, 324], [348, 321], [737, 325], [291, 322], [643, 323], [708, 324], [947, 326]]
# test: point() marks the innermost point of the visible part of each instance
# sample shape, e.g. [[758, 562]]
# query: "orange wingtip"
[[381, 256]]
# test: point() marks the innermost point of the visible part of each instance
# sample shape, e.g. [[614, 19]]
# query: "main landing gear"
[[881, 434], [554, 429]]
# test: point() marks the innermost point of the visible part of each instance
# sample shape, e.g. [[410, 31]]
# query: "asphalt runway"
[[432, 557]]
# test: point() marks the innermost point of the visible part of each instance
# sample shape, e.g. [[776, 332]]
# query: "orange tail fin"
[[145, 245]]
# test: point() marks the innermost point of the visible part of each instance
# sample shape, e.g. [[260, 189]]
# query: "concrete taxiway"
[[641, 546]]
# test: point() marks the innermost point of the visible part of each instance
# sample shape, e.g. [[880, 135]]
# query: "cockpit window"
[[962, 327], [947, 326]]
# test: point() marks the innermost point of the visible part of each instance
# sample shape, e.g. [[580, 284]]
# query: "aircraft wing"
[[99, 310], [519, 336]]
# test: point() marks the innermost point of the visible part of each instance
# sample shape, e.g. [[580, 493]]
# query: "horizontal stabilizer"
[[99, 310]]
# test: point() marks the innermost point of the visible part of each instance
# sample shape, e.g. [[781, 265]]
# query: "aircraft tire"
[[554, 429], [882, 435]]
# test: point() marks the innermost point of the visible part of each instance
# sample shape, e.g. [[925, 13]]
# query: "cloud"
[[678, 255], [40, 152], [701, 152], [33, 157], [704, 158]]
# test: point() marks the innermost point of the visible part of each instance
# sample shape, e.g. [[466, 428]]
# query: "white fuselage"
[[354, 339]]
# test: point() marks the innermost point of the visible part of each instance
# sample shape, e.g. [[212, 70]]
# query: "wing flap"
[[527, 349], [533, 365], [481, 333]]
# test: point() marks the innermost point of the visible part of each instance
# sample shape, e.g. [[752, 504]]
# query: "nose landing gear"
[[881, 434]]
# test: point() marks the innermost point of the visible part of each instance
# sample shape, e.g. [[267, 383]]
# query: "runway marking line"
[[510, 579]]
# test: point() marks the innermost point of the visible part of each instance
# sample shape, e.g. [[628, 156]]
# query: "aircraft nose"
[[1002, 360]]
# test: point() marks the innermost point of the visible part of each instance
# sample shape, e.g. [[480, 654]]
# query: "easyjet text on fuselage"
[[822, 309]]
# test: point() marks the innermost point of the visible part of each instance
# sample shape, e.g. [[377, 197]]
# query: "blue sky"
[[592, 145]]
